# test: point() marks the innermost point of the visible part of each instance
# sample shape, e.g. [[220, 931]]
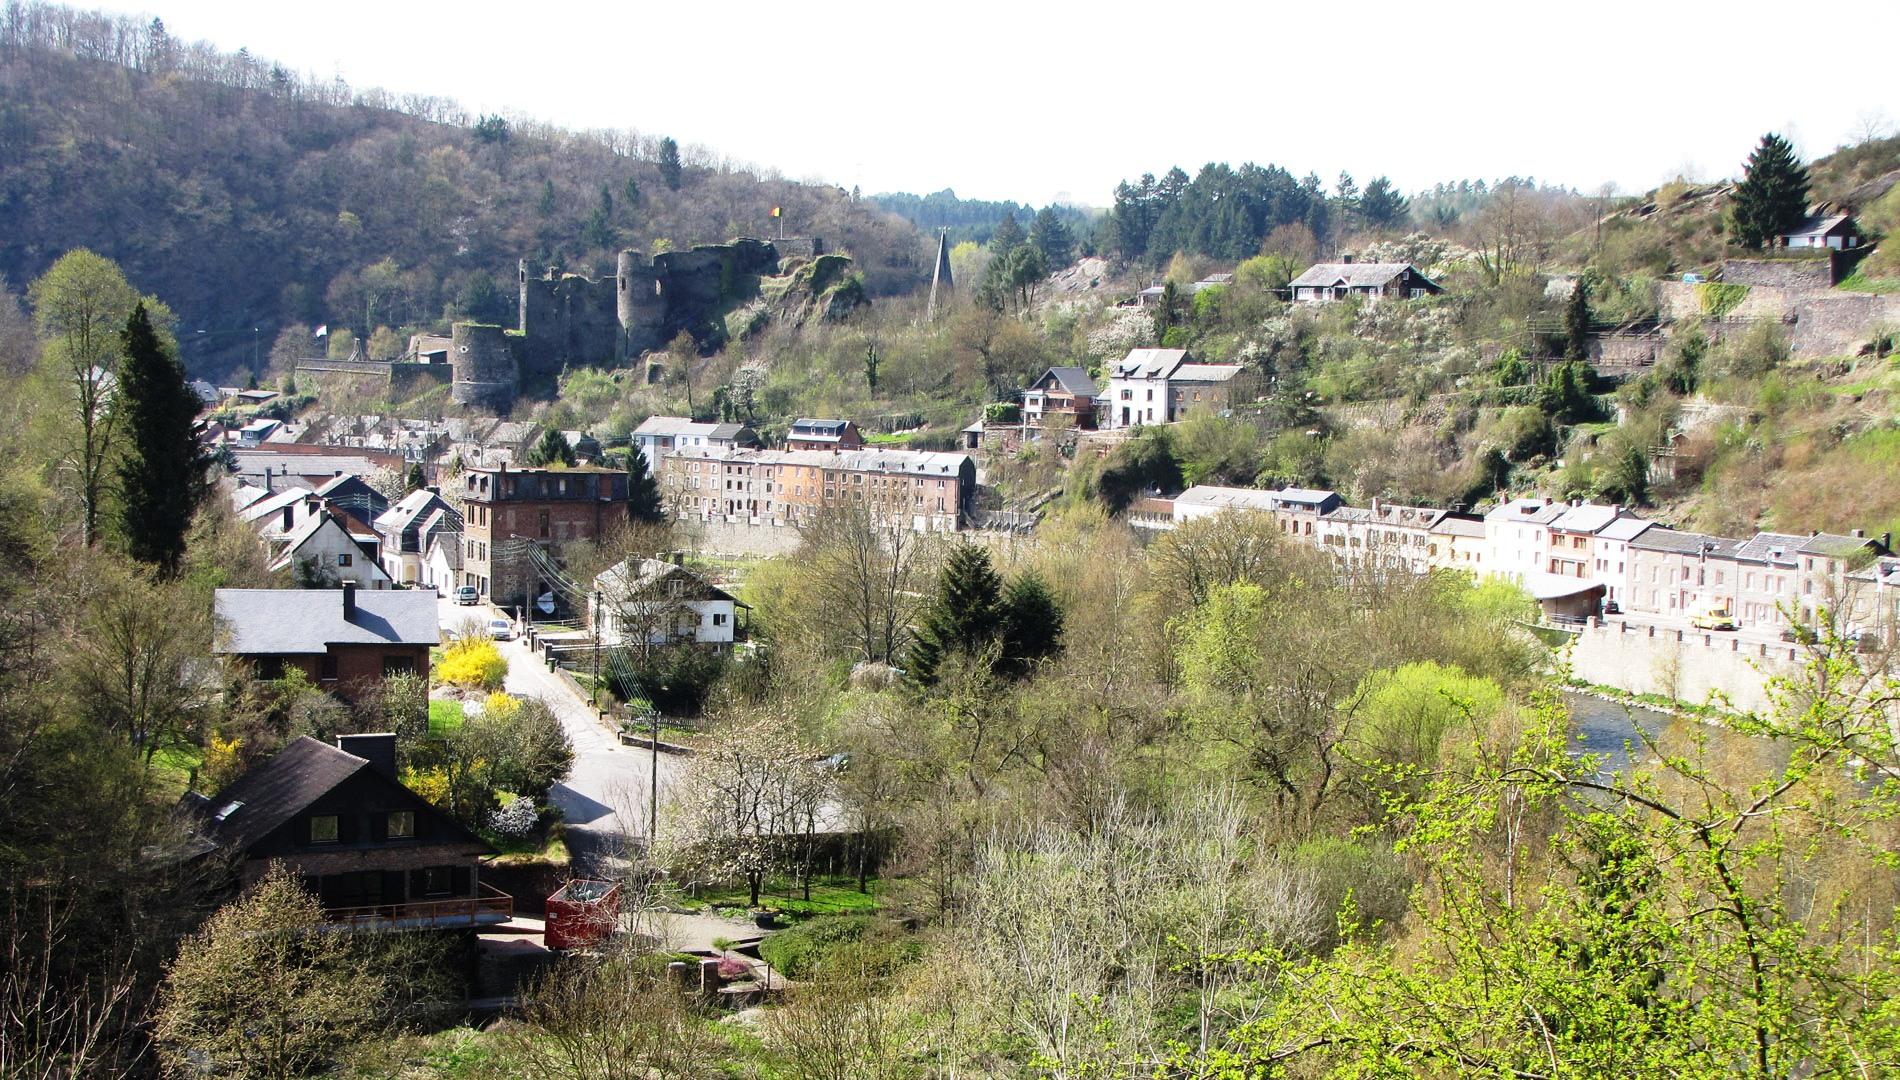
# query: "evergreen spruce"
[[1772, 198], [552, 449], [1577, 323], [966, 613], [161, 479], [670, 169], [1053, 238], [1381, 205], [1032, 623], [643, 491], [1007, 237], [415, 481]]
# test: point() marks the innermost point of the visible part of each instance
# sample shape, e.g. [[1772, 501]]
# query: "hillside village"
[[608, 611]]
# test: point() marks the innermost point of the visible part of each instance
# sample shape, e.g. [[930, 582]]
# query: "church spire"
[[940, 275]]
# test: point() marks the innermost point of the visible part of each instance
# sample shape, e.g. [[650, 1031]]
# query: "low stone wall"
[[1807, 273], [1840, 324], [1688, 665], [724, 538]]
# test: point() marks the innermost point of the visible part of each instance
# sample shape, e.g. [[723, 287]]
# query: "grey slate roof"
[[1766, 547], [1150, 363], [1355, 275], [831, 428], [1818, 225], [305, 622], [1836, 546], [1685, 543], [1073, 380]]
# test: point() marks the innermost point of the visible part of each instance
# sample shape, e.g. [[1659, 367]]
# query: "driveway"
[[605, 797]]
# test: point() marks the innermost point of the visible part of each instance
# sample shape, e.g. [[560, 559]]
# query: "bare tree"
[[865, 571]]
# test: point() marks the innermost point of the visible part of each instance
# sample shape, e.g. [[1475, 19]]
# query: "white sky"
[[1037, 101]]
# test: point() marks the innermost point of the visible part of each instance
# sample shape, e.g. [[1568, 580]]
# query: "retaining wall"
[[1688, 665]]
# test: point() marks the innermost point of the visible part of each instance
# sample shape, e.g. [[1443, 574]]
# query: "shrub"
[[802, 950], [515, 820], [473, 662]]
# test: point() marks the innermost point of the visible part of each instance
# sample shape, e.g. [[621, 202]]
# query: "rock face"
[[568, 320]]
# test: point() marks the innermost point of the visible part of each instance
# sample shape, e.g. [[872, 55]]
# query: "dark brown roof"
[[278, 790]]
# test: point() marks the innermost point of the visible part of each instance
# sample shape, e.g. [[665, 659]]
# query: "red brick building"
[[508, 511], [344, 640]]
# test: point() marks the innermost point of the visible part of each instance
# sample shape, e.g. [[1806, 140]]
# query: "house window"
[[326, 668], [323, 829], [402, 825], [343, 558], [719, 619], [436, 881]]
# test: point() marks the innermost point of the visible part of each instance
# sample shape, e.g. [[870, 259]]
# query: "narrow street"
[[606, 797]]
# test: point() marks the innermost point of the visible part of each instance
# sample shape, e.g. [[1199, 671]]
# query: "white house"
[[1835, 231], [1366, 281], [663, 602], [323, 548], [442, 566], [407, 530], [1159, 386], [1517, 537], [658, 436]]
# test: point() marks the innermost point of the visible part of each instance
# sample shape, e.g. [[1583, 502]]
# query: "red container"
[[582, 913]]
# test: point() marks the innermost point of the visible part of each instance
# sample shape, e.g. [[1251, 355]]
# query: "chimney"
[[268, 490], [349, 601], [290, 516], [1375, 506], [378, 749], [1347, 259]]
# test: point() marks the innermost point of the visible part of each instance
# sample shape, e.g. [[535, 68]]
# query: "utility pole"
[[595, 698]]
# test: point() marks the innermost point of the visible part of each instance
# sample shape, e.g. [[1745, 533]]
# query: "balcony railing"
[[492, 906]]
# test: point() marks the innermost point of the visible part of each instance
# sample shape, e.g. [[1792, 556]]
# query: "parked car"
[[1611, 607], [468, 594], [1800, 635], [1715, 618], [501, 629], [1693, 279]]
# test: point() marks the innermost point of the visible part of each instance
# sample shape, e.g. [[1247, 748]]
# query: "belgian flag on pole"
[[778, 211]]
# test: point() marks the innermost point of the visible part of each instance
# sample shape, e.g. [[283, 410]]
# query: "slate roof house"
[[1160, 386], [808, 434], [326, 547], [665, 602], [1061, 391], [344, 639], [1836, 231], [376, 854], [1370, 281], [408, 528]]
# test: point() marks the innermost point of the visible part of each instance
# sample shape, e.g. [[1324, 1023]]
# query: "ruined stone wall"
[[1781, 273], [486, 374], [567, 320], [1841, 324]]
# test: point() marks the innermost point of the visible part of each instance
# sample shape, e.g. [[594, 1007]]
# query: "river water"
[[1610, 729]]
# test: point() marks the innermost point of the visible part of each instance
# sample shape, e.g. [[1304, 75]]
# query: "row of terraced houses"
[[1579, 558]]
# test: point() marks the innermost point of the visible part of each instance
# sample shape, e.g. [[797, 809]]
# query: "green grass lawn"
[[173, 766], [1858, 282], [529, 849], [829, 896], [445, 718]]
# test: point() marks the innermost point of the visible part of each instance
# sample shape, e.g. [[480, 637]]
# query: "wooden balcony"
[[491, 907]]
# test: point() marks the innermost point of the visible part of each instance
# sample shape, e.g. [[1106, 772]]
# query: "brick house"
[[344, 640], [374, 853], [931, 492], [507, 511]]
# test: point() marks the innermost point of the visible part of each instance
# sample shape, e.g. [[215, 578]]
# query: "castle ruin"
[[570, 320]]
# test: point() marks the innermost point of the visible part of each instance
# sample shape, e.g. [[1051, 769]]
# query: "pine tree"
[[161, 480], [1772, 198], [550, 449], [1032, 623], [1381, 205], [1053, 238], [966, 614], [1006, 238], [415, 481], [643, 491], [1577, 323], [670, 170]]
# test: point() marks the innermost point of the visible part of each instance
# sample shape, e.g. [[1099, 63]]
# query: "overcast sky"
[[1039, 101]]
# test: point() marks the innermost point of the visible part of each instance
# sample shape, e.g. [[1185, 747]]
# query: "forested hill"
[[246, 196], [967, 219]]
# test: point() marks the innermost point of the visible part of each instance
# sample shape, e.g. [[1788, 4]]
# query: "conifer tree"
[[1577, 323], [966, 613], [1053, 238], [552, 448], [1381, 205], [1032, 623], [1006, 238], [644, 506], [1772, 198], [670, 170], [415, 481], [161, 479]]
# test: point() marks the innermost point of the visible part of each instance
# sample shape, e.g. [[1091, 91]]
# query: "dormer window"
[[323, 829]]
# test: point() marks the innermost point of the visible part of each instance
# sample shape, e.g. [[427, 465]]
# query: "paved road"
[[606, 796]]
